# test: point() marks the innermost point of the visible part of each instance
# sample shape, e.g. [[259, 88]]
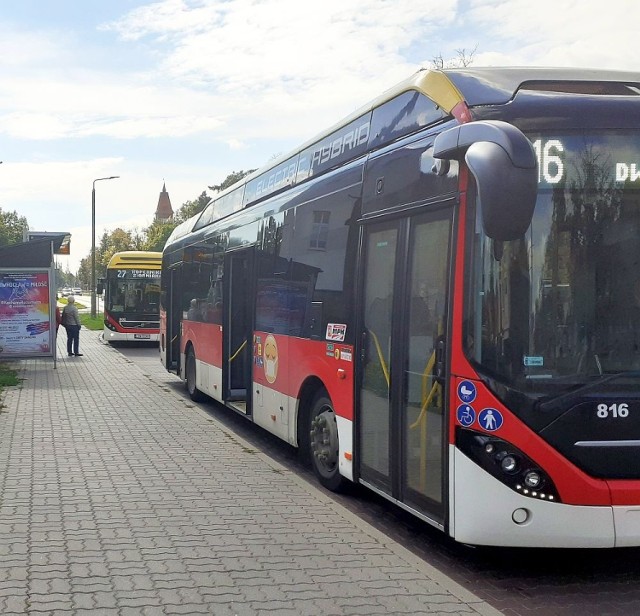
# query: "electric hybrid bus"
[[132, 296], [439, 298]]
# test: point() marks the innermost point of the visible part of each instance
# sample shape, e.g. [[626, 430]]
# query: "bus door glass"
[[401, 419], [174, 314], [238, 327]]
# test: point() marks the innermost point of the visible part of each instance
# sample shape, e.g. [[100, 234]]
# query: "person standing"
[[71, 322]]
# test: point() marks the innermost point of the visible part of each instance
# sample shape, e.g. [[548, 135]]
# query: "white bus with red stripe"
[[436, 298]]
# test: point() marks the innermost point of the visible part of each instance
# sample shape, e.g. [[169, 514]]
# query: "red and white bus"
[[132, 297], [436, 298]]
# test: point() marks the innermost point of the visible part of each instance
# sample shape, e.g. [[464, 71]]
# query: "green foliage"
[[112, 242], [84, 272], [191, 208], [65, 279], [94, 324], [12, 227], [157, 235], [8, 376], [154, 237], [230, 180]]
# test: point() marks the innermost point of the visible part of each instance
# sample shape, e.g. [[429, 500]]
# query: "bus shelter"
[[28, 298]]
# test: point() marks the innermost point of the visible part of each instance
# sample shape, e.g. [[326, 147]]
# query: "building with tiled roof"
[[164, 211]]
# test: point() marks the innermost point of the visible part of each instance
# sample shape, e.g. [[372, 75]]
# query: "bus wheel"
[[194, 393], [323, 443]]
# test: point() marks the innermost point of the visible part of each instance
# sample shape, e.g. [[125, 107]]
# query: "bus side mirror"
[[504, 165]]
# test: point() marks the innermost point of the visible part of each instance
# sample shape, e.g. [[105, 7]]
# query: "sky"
[[183, 92]]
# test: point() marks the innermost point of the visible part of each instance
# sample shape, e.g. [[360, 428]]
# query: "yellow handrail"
[[244, 344], [423, 410], [383, 364], [421, 421]]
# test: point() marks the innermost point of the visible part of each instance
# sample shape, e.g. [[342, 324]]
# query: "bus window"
[[401, 116]]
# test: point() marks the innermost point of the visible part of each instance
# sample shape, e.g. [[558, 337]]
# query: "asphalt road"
[[519, 582]]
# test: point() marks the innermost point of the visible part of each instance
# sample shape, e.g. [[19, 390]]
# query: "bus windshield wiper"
[[570, 396]]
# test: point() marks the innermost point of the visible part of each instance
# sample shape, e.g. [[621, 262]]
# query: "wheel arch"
[[196, 395], [188, 345], [309, 389]]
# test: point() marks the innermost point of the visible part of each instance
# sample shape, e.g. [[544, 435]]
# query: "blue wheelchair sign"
[[466, 415]]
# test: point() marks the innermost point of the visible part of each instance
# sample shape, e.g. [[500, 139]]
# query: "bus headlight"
[[507, 464], [533, 479]]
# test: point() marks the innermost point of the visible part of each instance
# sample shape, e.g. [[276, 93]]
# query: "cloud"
[[551, 33], [89, 105], [20, 49], [190, 90], [266, 54], [57, 196]]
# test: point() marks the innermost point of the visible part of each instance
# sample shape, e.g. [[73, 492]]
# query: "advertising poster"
[[25, 317]]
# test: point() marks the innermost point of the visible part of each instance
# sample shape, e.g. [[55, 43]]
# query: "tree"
[[110, 243], [231, 179], [64, 278], [12, 227], [84, 272], [463, 58], [115, 241], [157, 234], [191, 208]]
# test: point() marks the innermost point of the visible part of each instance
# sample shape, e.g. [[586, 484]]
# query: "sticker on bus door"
[[336, 332]]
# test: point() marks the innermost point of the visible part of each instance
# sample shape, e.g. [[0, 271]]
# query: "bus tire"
[[190, 369], [323, 443]]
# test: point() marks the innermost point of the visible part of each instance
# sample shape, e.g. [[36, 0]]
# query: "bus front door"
[[238, 329], [403, 301]]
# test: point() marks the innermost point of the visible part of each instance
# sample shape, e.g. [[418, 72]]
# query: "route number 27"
[[615, 410]]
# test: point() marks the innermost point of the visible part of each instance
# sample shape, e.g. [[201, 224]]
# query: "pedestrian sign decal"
[[467, 391], [490, 419], [466, 415]]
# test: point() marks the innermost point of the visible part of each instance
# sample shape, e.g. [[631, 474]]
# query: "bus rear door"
[[238, 329], [174, 315]]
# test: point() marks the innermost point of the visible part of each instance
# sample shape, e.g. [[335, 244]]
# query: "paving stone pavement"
[[118, 497]]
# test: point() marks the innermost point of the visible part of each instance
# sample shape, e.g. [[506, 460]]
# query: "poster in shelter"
[[25, 321]]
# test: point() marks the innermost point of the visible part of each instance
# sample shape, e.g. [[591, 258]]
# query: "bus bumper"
[[483, 511], [110, 336]]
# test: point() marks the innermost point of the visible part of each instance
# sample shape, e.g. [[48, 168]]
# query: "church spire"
[[164, 212]]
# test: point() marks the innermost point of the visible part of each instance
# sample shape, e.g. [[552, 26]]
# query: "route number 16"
[[550, 163], [615, 410]]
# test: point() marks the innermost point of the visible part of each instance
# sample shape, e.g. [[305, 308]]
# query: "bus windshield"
[[133, 291], [560, 306]]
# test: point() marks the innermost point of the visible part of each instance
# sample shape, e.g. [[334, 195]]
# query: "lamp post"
[[93, 243]]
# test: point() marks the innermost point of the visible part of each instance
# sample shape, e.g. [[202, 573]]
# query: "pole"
[[93, 251], [93, 243]]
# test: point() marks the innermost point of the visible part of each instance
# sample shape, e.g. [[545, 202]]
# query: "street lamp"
[[93, 243]]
